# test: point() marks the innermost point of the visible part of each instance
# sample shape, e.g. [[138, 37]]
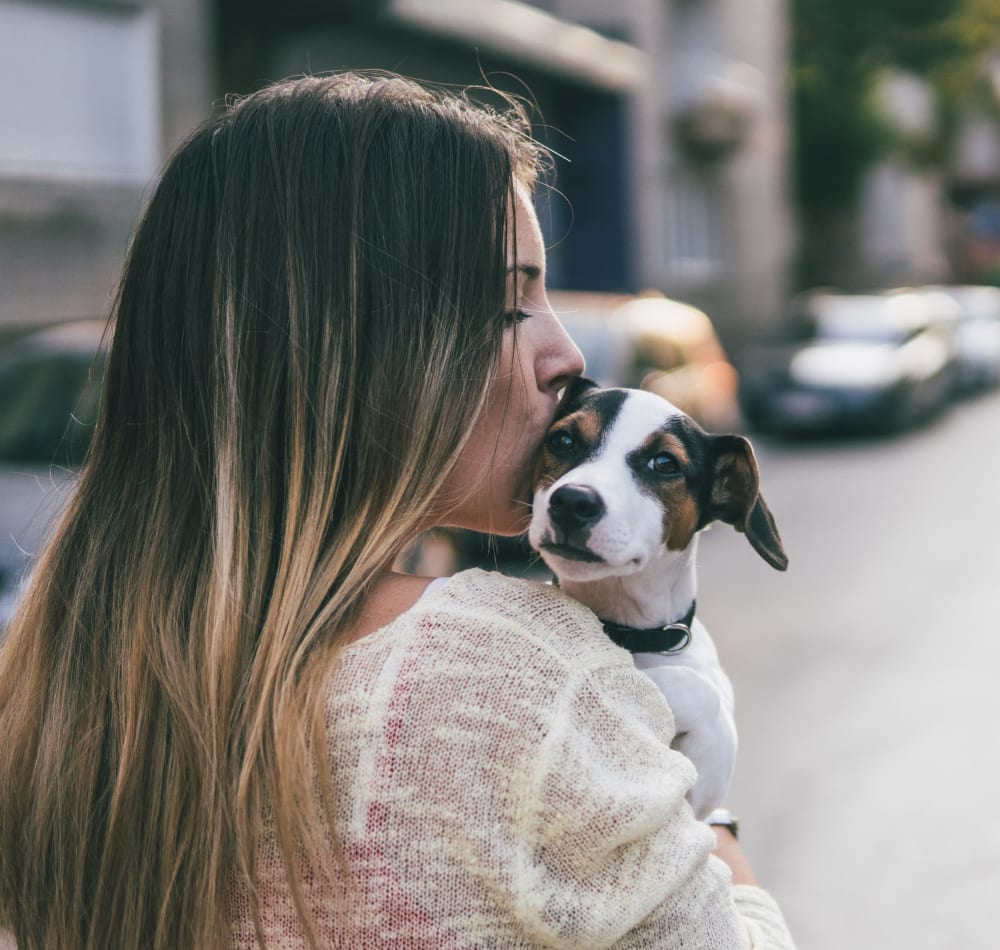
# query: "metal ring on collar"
[[682, 644]]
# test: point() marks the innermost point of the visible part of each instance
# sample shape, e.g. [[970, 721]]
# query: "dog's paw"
[[705, 730], [713, 753]]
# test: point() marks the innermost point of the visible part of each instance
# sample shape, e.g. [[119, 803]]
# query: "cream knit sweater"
[[505, 780]]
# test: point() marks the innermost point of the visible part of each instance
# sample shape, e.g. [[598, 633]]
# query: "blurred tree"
[[839, 50]]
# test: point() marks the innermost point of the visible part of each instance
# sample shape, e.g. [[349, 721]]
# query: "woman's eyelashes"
[[529, 306], [517, 316]]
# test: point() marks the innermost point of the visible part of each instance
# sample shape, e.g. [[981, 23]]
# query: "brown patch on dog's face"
[[575, 436], [568, 442], [681, 523], [667, 464]]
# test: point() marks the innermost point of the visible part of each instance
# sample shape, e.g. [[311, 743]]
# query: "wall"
[[708, 152], [100, 91]]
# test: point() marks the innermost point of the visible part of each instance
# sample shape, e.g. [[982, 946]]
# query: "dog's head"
[[624, 476]]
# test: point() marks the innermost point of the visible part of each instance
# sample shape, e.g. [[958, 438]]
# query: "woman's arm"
[[728, 849], [647, 868]]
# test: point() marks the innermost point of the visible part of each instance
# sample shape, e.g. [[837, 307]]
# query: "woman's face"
[[490, 489]]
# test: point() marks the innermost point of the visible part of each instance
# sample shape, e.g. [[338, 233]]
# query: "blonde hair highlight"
[[270, 437]]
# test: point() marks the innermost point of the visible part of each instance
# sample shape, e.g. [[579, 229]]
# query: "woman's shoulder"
[[518, 614], [509, 595], [511, 621], [482, 640]]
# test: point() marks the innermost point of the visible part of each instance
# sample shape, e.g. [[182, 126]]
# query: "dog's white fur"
[[700, 696], [641, 583]]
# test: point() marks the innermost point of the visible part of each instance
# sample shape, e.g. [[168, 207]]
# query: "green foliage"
[[839, 49], [838, 133]]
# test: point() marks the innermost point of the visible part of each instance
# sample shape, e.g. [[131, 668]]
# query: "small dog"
[[625, 483]]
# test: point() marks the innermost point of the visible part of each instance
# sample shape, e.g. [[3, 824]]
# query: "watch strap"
[[724, 817]]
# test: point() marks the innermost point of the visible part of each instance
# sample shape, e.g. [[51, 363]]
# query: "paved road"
[[868, 686]]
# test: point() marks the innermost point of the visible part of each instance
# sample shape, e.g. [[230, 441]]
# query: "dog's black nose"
[[574, 506]]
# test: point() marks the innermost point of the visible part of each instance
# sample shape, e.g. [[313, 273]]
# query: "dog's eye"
[[560, 441], [663, 463]]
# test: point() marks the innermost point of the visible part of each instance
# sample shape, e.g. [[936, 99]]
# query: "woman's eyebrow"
[[531, 271]]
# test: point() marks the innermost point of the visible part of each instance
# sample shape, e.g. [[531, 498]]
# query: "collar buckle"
[[684, 639], [668, 640]]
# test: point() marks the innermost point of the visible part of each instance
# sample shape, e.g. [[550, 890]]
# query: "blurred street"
[[785, 213], [866, 685]]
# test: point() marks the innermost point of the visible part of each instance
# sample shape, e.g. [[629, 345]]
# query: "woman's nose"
[[564, 360]]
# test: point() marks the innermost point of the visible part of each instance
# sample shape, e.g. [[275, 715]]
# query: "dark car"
[[49, 385], [854, 362]]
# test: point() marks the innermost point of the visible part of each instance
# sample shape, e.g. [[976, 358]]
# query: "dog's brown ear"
[[736, 499]]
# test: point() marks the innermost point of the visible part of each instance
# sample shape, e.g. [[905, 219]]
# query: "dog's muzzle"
[[575, 508], [572, 511]]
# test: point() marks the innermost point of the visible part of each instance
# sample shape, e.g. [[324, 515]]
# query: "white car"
[[977, 332]]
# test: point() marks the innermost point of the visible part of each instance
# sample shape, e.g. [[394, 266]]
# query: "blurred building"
[[902, 227], [974, 188], [669, 116], [711, 177], [927, 215], [94, 93]]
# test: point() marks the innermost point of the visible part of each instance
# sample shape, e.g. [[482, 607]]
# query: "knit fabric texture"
[[503, 778]]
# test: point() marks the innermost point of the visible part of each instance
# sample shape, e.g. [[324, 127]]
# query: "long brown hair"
[[308, 320]]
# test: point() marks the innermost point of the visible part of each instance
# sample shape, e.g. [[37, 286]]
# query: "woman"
[[226, 721]]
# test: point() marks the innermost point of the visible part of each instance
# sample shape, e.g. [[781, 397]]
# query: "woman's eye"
[[663, 463], [517, 316], [561, 441]]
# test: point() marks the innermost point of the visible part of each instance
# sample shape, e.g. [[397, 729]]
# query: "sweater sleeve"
[[765, 923], [614, 855], [505, 779]]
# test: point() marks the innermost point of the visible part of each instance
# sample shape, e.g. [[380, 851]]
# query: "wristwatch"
[[723, 816]]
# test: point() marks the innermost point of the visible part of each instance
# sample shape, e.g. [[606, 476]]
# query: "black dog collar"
[[669, 639]]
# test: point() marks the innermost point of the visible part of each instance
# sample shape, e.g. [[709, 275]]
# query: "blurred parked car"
[[652, 342], [978, 334], [876, 362], [49, 385]]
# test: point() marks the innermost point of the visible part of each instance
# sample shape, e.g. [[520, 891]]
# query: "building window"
[[694, 229], [87, 103]]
